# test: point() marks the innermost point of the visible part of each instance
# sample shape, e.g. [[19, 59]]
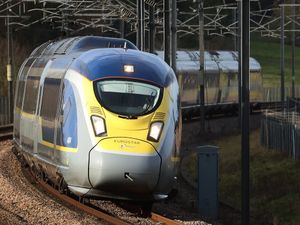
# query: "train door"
[[38, 123], [19, 96], [66, 120], [49, 106], [212, 74], [28, 115], [66, 125]]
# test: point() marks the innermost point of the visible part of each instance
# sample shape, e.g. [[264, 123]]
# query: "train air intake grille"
[[96, 110], [159, 116]]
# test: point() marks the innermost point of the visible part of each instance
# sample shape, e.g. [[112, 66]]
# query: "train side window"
[[18, 78], [50, 98], [20, 94], [21, 84], [51, 90], [39, 50], [32, 86]]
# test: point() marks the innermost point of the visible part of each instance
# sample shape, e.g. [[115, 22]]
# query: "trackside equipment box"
[[208, 176]]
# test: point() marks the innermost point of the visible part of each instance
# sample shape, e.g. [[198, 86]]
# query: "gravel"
[[22, 202]]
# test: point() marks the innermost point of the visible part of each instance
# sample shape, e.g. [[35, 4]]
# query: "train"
[[220, 82], [98, 118]]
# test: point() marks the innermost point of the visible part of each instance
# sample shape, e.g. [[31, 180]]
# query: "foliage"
[[274, 181], [19, 53], [267, 52]]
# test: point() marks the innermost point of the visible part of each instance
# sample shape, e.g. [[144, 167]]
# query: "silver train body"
[[99, 117], [220, 81]]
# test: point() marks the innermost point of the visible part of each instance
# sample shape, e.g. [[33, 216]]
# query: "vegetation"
[[267, 52], [19, 53], [274, 181]]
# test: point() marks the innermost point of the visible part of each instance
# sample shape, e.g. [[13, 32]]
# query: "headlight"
[[98, 125], [155, 131]]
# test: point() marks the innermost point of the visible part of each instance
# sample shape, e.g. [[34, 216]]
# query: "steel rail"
[[6, 132], [91, 211], [164, 220]]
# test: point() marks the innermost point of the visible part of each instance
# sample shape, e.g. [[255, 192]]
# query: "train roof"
[[111, 61], [80, 44], [226, 61], [103, 57]]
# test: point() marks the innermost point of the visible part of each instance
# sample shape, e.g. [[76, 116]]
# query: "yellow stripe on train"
[[59, 147]]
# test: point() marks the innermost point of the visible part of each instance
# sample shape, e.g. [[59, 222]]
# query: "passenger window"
[[49, 108], [32, 86], [20, 94], [39, 50], [50, 98], [21, 84]]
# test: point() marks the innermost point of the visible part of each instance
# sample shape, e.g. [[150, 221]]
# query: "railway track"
[[90, 209], [153, 218], [6, 132]]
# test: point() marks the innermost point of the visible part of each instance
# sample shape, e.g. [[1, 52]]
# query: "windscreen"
[[128, 98]]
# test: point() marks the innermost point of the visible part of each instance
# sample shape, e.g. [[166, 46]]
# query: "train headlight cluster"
[[98, 125], [155, 131]]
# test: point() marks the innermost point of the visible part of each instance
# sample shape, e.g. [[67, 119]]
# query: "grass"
[[274, 181], [274, 177], [267, 52]]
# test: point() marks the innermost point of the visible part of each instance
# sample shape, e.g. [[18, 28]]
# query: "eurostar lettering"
[[129, 142]]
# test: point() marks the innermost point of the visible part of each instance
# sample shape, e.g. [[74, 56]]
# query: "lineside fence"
[[280, 131], [273, 94], [4, 110]]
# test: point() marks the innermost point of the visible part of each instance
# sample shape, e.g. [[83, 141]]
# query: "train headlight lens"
[[98, 125], [128, 68], [155, 131]]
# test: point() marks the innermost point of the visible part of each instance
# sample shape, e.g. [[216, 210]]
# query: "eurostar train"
[[99, 118], [220, 82]]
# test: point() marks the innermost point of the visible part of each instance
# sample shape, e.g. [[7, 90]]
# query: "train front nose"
[[124, 166]]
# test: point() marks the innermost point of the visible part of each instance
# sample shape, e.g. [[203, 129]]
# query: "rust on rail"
[[82, 207], [164, 220], [89, 210]]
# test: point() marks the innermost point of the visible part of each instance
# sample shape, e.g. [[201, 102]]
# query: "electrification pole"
[[9, 72], [293, 48], [174, 35], [201, 61], [240, 62], [167, 32], [245, 106], [122, 28], [151, 29], [141, 24], [235, 30], [282, 54]]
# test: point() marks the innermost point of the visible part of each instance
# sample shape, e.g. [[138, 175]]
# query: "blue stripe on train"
[[67, 128], [68, 132]]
